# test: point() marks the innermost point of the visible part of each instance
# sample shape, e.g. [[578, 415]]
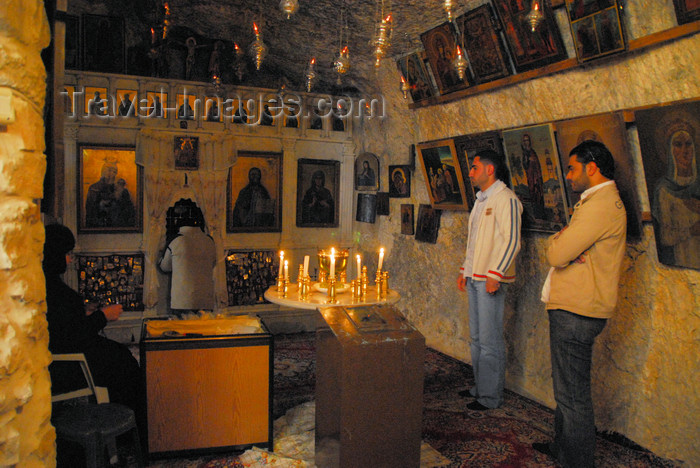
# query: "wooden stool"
[[95, 427]]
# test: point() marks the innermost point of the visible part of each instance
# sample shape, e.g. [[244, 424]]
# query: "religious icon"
[[443, 175], [110, 190], [400, 181], [318, 193], [441, 48], [255, 193], [595, 27], [536, 176], [186, 154], [367, 172], [428, 224], [407, 219], [669, 138], [481, 42]]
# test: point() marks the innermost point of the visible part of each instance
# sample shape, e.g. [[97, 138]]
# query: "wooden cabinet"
[[208, 393]]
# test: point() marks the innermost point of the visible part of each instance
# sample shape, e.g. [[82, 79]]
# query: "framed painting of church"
[[669, 138], [442, 175], [536, 176], [530, 49], [110, 190], [254, 201]]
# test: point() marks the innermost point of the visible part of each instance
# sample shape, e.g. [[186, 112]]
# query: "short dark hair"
[[491, 157], [595, 151]]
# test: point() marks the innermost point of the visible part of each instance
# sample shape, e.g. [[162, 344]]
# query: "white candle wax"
[[359, 265], [332, 274], [286, 269], [381, 258], [306, 266], [281, 263]]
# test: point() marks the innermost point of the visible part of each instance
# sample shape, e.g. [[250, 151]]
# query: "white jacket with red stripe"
[[497, 237]]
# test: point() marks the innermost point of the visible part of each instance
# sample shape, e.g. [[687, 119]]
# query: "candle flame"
[[403, 80], [255, 28], [459, 51], [345, 50], [313, 60], [388, 18], [235, 46], [381, 251]]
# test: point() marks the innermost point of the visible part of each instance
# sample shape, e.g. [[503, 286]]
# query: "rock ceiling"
[[313, 31]]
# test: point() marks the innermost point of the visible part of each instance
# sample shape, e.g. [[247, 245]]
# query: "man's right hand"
[[112, 312], [461, 283]]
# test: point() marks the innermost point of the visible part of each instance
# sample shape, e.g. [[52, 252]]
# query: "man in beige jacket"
[[580, 293]]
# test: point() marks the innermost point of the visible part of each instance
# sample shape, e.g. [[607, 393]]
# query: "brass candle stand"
[[331, 290], [364, 283], [378, 283]]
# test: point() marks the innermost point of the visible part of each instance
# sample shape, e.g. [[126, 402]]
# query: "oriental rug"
[[453, 436]]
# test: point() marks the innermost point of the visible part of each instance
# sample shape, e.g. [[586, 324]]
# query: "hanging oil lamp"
[[289, 7], [460, 64], [447, 5], [258, 49], [405, 87], [383, 39], [535, 17], [310, 75]]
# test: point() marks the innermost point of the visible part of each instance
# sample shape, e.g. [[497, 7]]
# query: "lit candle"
[[281, 263], [153, 36], [359, 265], [332, 274], [286, 269], [306, 266], [381, 258]]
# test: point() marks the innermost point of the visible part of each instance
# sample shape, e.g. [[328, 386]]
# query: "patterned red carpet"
[[496, 438]]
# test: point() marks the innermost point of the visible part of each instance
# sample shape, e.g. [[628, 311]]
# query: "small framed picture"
[[400, 181], [255, 193], [157, 103], [428, 224], [185, 106], [127, 100], [366, 208], [443, 175], [413, 70], [687, 11], [186, 153], [407, 219], [96, 102], [367, 172], [110, 190], [213, 108], [596, 28], [530, 49], [318, 193], [383, 204]]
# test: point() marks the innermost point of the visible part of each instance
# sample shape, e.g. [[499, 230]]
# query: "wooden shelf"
[[568, 64]]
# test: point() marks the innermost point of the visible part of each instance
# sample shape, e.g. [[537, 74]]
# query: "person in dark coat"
[[75, 328]]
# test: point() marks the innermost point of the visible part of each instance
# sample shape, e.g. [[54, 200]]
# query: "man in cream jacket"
[[580, 293], [492, 244]]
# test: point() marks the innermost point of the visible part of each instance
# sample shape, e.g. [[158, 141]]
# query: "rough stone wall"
[[26, 435], [645, 362]]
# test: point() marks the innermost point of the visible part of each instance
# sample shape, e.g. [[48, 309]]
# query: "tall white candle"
[[281, 263], [381, 258], [359, 265], [306, 266], [332, 274], [286, 269]]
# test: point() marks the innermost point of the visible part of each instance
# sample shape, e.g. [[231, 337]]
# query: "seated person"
[[75, 328]]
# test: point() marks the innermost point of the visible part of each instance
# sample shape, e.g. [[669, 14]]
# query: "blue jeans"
[[488, 347], [571, 339]]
